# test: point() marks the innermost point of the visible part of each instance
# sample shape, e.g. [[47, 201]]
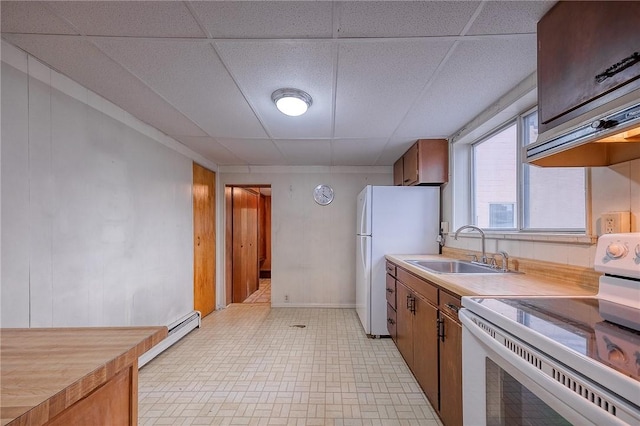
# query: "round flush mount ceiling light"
[[292, 102]]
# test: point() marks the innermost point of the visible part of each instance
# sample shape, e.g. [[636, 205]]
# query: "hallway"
[[262, 294], [250, 364]]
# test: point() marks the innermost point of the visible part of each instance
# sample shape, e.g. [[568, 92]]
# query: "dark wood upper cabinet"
[[588, 54], [425, 163]]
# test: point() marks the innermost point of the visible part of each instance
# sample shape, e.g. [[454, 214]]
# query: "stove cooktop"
[[603, 331]]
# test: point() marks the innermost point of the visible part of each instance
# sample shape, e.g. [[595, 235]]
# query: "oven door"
[[506, 382]]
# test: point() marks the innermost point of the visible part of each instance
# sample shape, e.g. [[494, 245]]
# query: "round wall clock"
[[323, 194]]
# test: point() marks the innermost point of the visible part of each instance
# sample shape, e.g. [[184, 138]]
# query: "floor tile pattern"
[[250, 364], [263, 294]]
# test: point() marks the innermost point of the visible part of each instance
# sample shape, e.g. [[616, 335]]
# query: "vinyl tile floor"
[[250, 364]]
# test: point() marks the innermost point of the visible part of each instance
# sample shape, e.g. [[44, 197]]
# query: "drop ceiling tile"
[[403, 18], [260, 68], [129, 18], [210, 148], [269, 19], [357, 152], [394, 150], [378, 82], [85, 64], [478, 73], [261, 152], [192, 78], [305, 152], [31, 17], [509, 17]]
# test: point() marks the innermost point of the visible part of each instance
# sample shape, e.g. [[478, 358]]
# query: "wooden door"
[[451, 372], [245, 243], [204, 240], [228, 245], [425, 348], [404, 323]]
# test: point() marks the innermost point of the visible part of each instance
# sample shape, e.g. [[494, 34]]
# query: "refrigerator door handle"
[[363, 250]]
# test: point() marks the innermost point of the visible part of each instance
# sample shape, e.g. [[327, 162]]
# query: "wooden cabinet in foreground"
[[72, 376], [425, 163]]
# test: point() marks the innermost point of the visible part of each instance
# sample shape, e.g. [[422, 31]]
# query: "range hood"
[[607, 135]]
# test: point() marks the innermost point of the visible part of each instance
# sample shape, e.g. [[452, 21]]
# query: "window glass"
[[554, 197], [495, 179], [511, 195]]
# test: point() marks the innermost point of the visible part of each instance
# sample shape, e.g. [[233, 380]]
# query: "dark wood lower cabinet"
[[425, 348], [404, 323], [451, 371], [429, 337]]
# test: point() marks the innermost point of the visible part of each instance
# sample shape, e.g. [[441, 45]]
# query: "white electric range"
[[558, 360]]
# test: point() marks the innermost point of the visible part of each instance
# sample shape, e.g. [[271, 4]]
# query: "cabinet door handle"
[[391, 321], [411, 304], [389, 290], [452, 307], [614, 69]]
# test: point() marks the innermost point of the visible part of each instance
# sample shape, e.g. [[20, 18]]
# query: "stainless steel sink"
[[454, 267]]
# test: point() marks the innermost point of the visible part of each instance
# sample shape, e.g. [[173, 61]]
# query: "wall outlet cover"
[[615, 222]]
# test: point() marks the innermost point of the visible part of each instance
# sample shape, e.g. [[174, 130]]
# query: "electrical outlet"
[[615, 222], [286, 297], [444, 227]]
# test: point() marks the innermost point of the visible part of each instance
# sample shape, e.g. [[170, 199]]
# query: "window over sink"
[[510, 195]]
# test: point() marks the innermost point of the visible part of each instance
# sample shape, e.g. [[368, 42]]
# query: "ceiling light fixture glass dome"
[[292, 102]]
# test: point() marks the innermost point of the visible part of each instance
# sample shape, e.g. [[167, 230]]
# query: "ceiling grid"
[[381, 73]]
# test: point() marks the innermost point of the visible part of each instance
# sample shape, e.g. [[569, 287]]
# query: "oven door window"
[[511, 403]]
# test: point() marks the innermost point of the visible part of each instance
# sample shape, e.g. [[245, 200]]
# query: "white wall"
[[313, 247], [96, 211]]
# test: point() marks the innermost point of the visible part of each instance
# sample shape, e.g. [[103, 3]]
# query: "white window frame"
[[520, 181]]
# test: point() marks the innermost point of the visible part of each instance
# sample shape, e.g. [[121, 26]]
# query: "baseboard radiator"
[[177, 331]]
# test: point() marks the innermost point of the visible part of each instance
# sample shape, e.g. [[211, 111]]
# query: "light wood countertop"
[[507, 284], [45, 371]]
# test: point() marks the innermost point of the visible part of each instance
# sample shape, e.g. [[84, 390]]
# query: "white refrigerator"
[[390, 220]]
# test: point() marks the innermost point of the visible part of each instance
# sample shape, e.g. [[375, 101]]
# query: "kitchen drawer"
[[424, 288], [450, 304], [391, 322], [391, 291], [391, 269]]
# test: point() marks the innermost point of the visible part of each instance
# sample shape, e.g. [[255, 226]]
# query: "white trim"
[[531, 236]]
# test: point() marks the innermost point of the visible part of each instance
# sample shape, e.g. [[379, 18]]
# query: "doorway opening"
[[248, 243]]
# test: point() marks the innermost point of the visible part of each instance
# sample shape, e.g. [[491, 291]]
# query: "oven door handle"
[[576, 408]]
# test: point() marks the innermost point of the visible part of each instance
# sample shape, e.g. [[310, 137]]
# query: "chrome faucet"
[[505, 260], [484, 253]]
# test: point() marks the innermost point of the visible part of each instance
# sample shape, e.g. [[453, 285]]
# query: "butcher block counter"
[[507, 284], [72, 376]]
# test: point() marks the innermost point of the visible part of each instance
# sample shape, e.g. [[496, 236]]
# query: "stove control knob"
[[617, 250], [615, 352], [637, 253]]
